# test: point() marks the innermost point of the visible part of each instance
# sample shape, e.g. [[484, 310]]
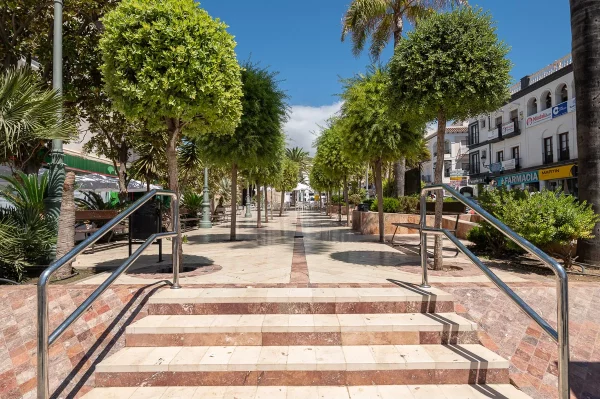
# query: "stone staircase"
[[397, 342]]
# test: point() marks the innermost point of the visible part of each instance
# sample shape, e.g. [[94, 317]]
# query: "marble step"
[[405, 299], [302, 365], [302, 329], [491, 391]]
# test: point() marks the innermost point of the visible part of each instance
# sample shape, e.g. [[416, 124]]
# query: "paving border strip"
[[299, 274]]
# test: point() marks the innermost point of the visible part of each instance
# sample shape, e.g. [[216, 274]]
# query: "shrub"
[[390, 205], [547, 219], [355, 199], [408, 204], [192, 202]]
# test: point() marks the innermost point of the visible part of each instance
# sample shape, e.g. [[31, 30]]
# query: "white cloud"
[[306, 123]]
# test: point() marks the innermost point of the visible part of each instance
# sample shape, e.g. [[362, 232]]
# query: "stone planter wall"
[[334, 209], [368, 223]]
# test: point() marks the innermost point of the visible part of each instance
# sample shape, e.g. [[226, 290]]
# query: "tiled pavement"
[[100, 331]]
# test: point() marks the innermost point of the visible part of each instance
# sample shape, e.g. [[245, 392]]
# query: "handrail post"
[[175, 242], [43, 388], [423, 237], [562, 290]]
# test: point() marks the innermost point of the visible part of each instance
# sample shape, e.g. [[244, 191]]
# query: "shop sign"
[[477, 180], [508, 128], [559, 172], [525, 177], [560, 109], [572, 106], [509, 164], [496, 167], [457, 178], [493, 134], [538, 118]]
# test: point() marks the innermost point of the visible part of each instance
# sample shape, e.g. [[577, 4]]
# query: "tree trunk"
[[174, 131], [585, 28], [122, 174], [232, 235], [258, 204], [400, 172], [347, 203], [266, 205], [66, 225], [339, 206], [379, 188], [282, 200], [438, 263]]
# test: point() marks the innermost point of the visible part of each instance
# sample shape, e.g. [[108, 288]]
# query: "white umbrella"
[[301, 186]]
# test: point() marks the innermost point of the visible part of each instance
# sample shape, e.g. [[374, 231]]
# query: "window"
[[515, 155], [500, 156], [562, 94], [465, 166], [514, 114], [447, 168], [548, 153], [447, 147], [563, 147], [484, 154], [532, 106], [499, 121], [474, 134], [482, 123], [474, 164], [547, 100]]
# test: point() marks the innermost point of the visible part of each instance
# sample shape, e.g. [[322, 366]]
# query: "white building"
[[530, 142], [456, 158]]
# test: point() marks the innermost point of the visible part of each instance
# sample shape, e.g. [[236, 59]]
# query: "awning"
[[100, 183]]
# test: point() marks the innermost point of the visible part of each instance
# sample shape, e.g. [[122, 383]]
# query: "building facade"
[[531, 142], [456, 158]]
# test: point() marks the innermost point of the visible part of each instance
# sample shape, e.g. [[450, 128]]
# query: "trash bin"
[[363, 207], [145, 221]]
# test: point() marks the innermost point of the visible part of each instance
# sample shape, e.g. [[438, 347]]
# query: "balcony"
[[564, 154], [474, 170], [548, 158]]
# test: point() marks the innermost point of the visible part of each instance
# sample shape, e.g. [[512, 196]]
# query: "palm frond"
[[25, 191]]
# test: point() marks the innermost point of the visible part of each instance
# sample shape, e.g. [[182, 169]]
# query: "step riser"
[[300, 308], [302, 378], [303, 338]]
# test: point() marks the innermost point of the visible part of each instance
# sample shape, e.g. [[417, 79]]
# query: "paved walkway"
[[298, 248]]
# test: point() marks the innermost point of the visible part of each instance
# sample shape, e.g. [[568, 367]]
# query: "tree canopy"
[[370, 132], [170, 60], [340, 165], [452, 62]]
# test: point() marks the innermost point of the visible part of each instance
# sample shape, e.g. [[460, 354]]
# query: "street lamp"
[[56, 175], [248, 199], [205, 223]]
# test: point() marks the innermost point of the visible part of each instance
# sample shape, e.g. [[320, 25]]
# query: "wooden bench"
[[185, 217], [97, 216], [448, 208], [219, 215]]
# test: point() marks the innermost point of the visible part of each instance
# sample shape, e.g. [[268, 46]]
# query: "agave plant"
[[192, 202]]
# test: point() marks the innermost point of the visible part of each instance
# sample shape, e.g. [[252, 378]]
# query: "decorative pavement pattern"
[[507, 331]]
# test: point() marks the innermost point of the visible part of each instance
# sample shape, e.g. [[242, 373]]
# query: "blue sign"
[[560, 109], [526, 177]]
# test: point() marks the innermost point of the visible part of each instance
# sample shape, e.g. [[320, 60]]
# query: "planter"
[[368, 223]]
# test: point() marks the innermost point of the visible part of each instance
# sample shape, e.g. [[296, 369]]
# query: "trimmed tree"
[[258, 140], [340, 165], [287, 179], [451, 67], [585, 28], [370, 134], [170, 63]]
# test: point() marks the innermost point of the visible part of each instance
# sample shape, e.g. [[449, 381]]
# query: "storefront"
[[562, 178]]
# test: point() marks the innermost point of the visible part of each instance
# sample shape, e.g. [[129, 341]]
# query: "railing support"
[[44, 339], [561, 335]]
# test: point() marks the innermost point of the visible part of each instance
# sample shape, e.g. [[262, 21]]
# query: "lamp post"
[[367, 182], [56, 175], [248, 199], [205, 223]]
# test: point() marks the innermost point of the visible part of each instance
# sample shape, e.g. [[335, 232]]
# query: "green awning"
[[81, 164]]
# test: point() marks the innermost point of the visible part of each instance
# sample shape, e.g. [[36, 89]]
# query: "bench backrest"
[[448, 208], [95, 215]]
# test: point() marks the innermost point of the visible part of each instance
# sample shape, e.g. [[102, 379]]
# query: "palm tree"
[[66, 225], [28, 120], [301, 157], [586, 68], [379, 21]]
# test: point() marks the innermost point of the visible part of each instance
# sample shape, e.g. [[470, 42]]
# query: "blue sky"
[[301, 40]]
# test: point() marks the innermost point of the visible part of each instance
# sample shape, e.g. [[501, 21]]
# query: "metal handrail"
[[562, 335], [44, 339]]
